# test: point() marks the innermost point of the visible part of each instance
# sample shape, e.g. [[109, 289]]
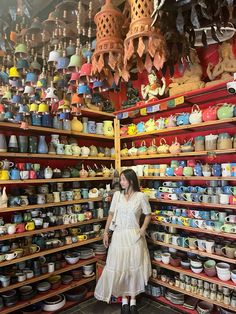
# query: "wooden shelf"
[[52, 156], [70, 304], [196, 154], [9, 182], [198, 230], [48, 294], [183, 178], [45, 276], [96, 113], [54, 131], [44, 230], [20, 208], [180, 248], [180, 308], [184, 203], [50, 251], [202, 276], [197, 296], [209, 125]]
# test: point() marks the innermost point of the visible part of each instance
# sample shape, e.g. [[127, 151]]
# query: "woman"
[[128, 265]]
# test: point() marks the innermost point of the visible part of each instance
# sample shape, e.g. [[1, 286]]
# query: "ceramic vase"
[[42, 145], [108, 128], [13, 144], [23, 143], [76, 125], [33, 144]]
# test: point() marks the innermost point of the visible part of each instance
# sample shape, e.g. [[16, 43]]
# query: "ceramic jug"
[[42, 145], [33, 144], [3, 198], [108, 128], [99, 128], [60, 149], [48, 173], [91, 127], [55, 139], [76, 125]]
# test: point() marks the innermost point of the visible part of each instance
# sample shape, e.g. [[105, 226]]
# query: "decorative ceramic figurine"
[[153, 89]]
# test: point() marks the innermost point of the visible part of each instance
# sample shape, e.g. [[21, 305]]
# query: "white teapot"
[[76, 150], [85, 151]]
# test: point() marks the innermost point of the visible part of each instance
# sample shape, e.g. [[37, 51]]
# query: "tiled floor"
[[145, 306]]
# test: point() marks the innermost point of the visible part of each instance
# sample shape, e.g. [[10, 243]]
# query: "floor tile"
[[168, 310]]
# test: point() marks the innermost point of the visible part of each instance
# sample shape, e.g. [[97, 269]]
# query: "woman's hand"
[[143, 232], [106, 240]]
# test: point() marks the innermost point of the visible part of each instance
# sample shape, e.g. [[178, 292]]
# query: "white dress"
[[128, 265]]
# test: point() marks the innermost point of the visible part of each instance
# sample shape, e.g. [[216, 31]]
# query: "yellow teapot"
[[150, 125], [132, 129], [124, 152]]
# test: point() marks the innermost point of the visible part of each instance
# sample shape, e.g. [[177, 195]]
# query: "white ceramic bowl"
[[73, 258], [55, 303], [197, 270], [224, 277], [195, 263]]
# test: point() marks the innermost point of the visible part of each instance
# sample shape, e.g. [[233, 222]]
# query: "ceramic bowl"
[[43, 286], [204, 307], [175, 261], [196, 270], [224, 276], [185, 264], [195, 263], [211, 272], [210, 264], [66, 279], [77, 273], [76, 294], [72, 258], [54, 303], [25, 290], [55, 281]]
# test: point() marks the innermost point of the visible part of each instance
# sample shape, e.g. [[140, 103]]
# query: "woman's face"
[[124, 182]]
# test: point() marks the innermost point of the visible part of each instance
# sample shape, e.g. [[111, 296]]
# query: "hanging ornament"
[[108, 54], [144, 46]]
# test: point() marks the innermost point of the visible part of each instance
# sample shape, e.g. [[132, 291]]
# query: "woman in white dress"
[[128, 265]]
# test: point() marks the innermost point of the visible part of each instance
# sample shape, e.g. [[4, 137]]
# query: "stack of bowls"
[[204, 307], [86, 253], [223, 271], [233, 275], [196, 266]]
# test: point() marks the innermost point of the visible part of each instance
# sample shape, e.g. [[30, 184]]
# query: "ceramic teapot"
[[183, 119], [187, 146], [170, 122], [141, 127], [107, 152], [209, 114], [160, 123], [48, 173], [152, 149], [124, 151], [76, 150], [163, 148], [150, 125], [99, 171], [68, 149], [83, 173], [91, 172], [105, 171], [196, 115], [142, 150], [6, 164], [124, 130], [74, 172], [132, 129], [175, 147], [85, 151], [56, 173], [93, 193], [93, 151], [226, 111], [112, 171], [133, 151]]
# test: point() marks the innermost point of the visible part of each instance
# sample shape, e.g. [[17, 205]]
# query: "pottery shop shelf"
[[53, 156], [202, 276], [44, 230], [180, 248], [45, 295], [45, 276], [20, 208], [198, 230], [180, 308], [197, 296], [8, 182], [184, 203], [192, 154], [184, 178], [209, 125], [50, 251], [54, 131]]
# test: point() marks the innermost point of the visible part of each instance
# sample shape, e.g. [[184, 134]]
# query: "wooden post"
[[117, 144]]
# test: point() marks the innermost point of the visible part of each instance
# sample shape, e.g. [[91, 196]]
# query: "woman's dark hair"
[[132, 178]]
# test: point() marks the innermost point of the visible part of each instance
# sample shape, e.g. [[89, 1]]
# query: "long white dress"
[[128, 265]]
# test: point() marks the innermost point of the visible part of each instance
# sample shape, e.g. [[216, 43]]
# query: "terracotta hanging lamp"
[[108, 54], [144, 46]]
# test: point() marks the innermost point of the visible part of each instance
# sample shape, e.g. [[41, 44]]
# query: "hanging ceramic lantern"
[[108, 54], [144, 46]]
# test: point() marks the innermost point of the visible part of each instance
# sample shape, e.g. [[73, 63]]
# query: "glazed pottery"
[[42, 145], [76, 125], [108, 128]]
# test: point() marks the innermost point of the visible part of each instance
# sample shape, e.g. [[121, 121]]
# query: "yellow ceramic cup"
[[82, 237]]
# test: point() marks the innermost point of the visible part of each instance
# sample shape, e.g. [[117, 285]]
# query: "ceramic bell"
[[54, 56], [21, 51], [50, 94], [75, 61]]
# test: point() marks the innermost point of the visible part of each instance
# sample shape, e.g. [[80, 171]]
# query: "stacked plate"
[[175, 297], [99, 249], [86, 253], [54, 303]]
